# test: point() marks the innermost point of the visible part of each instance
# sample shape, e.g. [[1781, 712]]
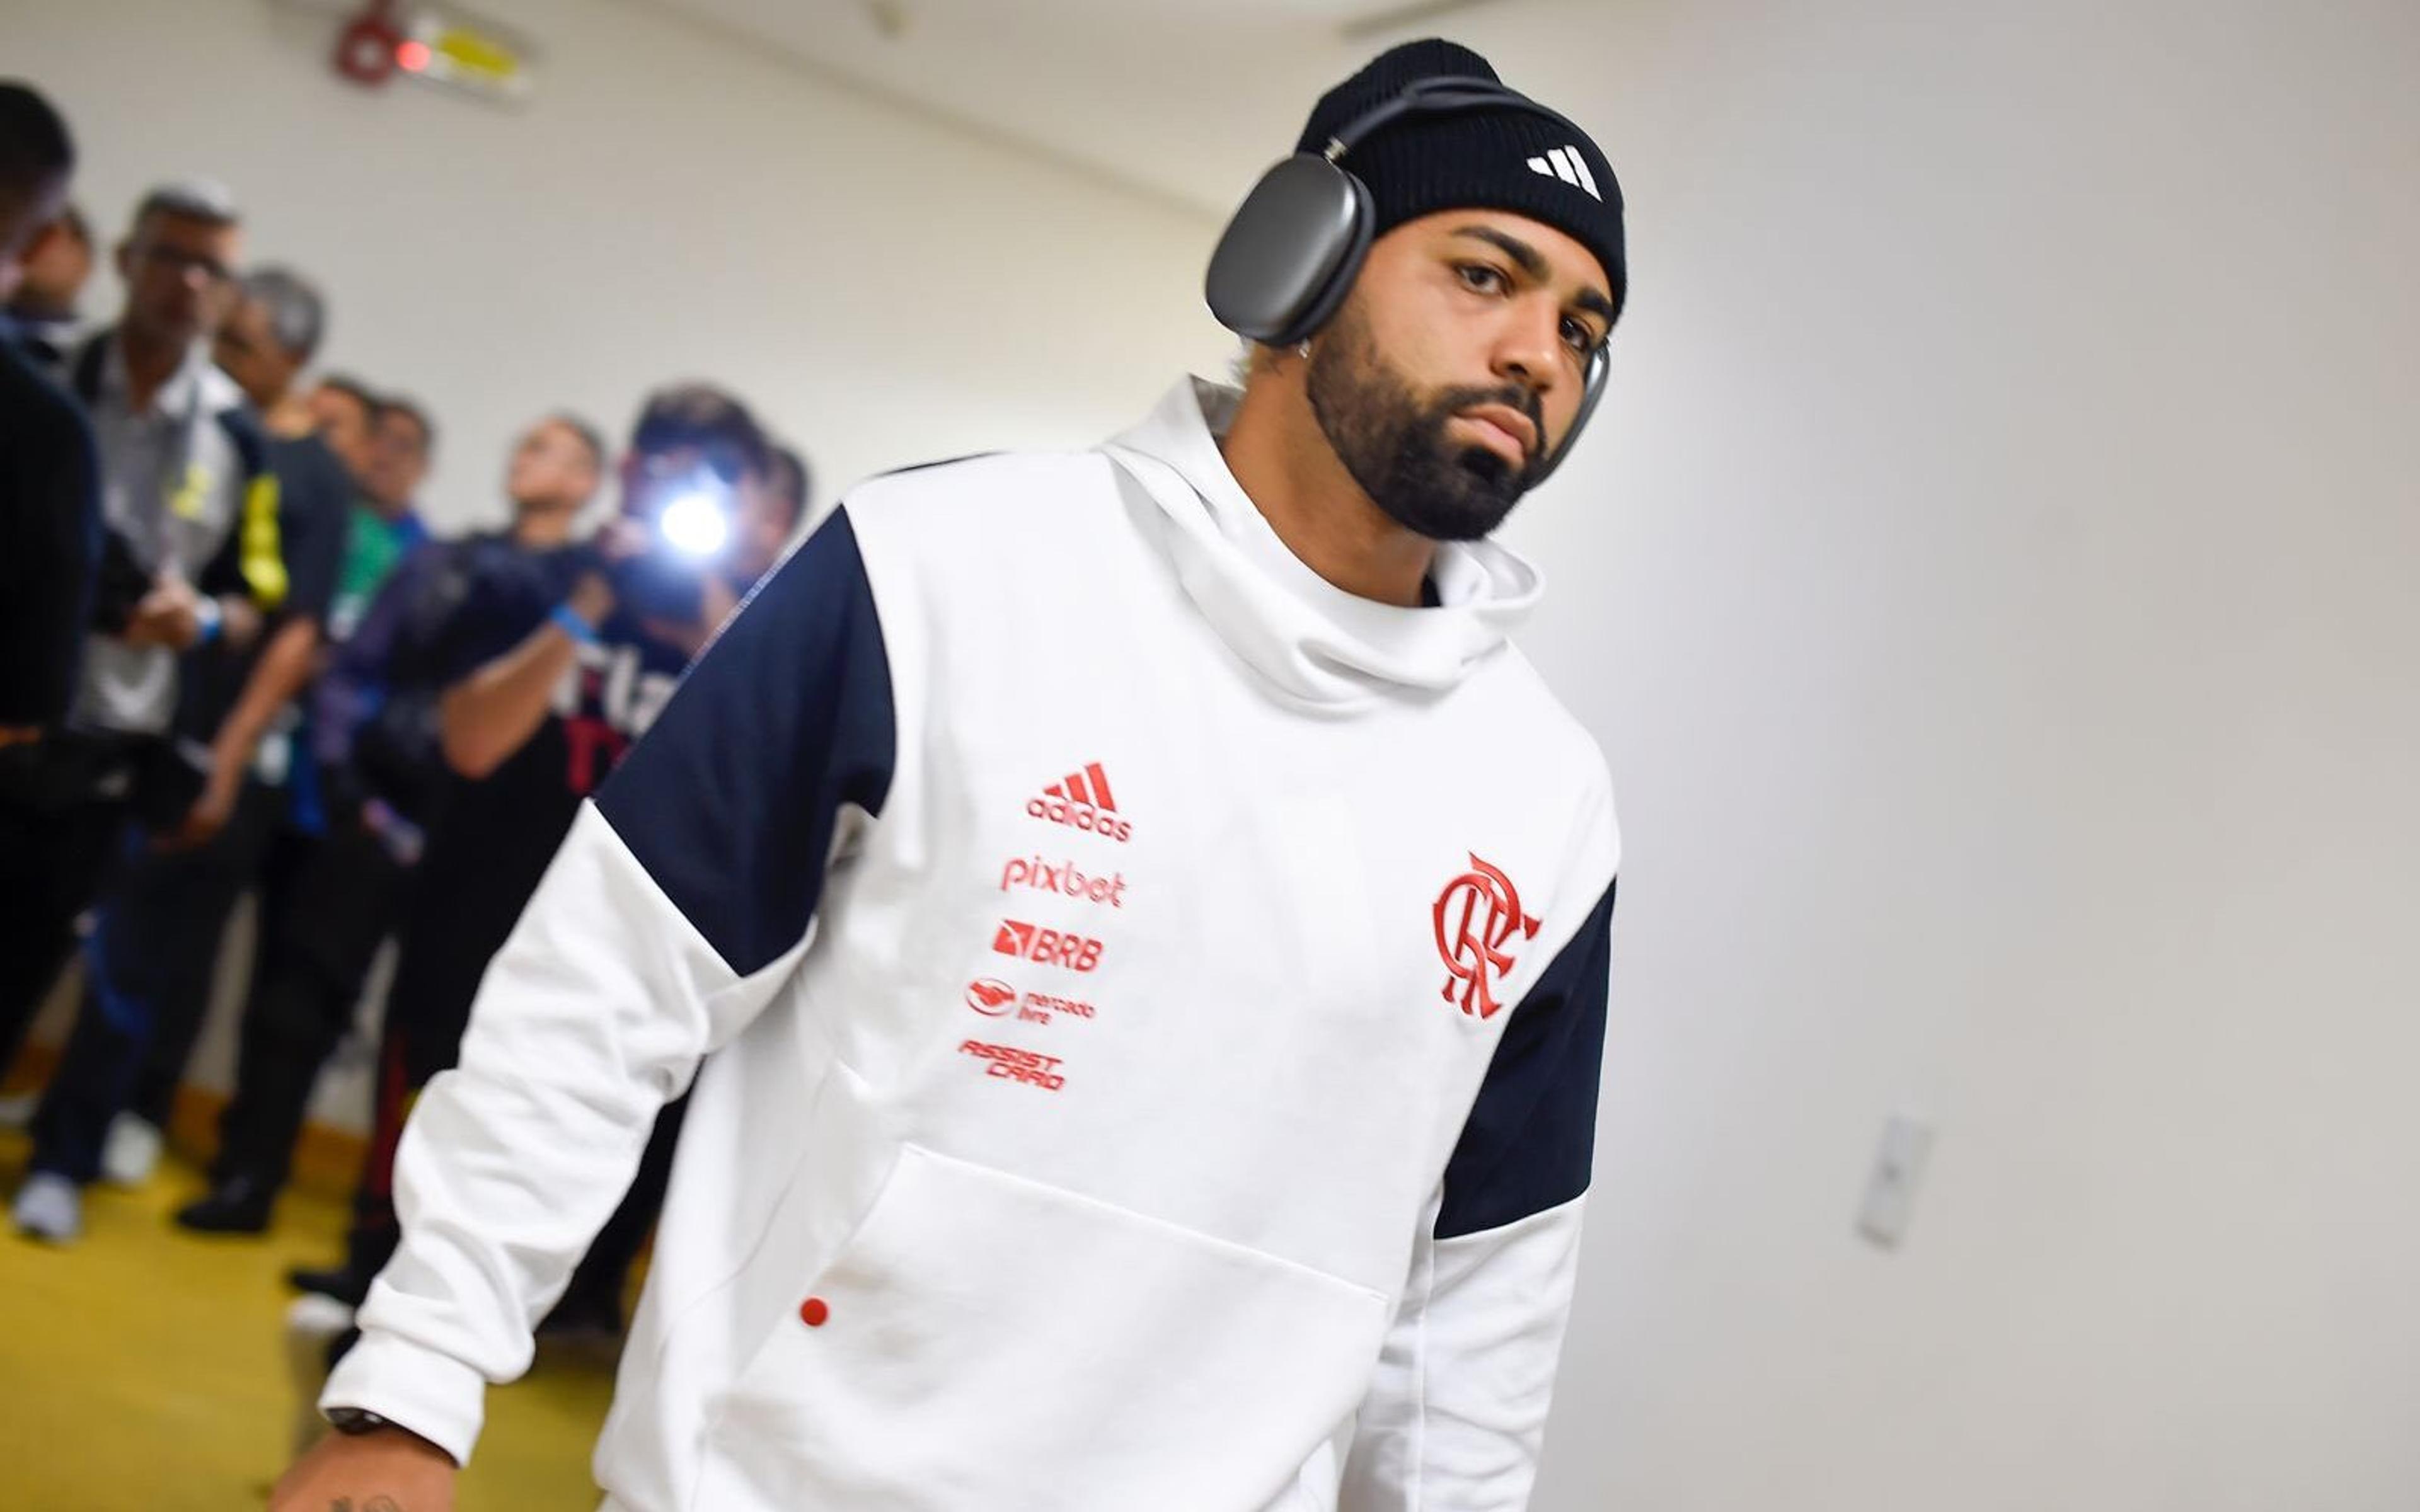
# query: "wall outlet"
[[1889, 1201]]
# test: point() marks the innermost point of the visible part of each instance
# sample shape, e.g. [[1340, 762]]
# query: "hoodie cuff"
[[414, 1387]]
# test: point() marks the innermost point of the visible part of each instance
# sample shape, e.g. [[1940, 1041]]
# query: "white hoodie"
[[1150, 1005]]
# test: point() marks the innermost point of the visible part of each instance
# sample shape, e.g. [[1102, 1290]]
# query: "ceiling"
[[1187, 100]]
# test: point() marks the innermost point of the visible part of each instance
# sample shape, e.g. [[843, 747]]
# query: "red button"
[[813, 1312]]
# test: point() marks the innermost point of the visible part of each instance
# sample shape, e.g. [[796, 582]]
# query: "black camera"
[[691, 516]]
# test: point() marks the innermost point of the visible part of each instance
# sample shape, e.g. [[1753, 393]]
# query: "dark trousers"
[[278, 859], [325, 905], [53, 861], [147, 968]]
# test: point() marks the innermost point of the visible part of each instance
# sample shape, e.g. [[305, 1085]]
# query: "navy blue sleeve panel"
[[730, 802], [1531, 1135]]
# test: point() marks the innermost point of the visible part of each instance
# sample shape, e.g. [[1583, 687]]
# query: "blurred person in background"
[[276, 327], [394, 460], [55, 269], [1219, 726], [344, 409], [50, 546], [327, 435], [201, 516], [556, 662], [376, 745], [790, 481], [386, 526], [185, 500]]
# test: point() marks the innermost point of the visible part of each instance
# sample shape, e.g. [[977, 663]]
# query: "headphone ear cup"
[[1325, 302], [1294, 242], [1591, 391]]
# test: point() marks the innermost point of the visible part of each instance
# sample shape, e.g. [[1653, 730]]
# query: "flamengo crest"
[[1475, 915]]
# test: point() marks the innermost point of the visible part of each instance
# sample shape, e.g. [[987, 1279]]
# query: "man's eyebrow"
[[1530, 259], [1532, 262]]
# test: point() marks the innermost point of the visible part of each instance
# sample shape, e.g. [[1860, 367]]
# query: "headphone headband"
[[1441, 96]]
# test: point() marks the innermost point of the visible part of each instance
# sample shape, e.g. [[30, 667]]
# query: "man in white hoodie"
[[1137, 930]]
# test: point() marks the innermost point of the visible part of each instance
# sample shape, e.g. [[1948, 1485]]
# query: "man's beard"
[[1396, 447]]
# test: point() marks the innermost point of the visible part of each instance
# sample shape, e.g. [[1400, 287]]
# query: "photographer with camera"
[[374, 748], [558, 662]]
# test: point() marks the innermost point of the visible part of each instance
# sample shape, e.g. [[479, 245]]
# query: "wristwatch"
[[355, 1420]]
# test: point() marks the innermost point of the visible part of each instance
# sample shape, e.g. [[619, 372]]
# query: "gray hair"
[[297, 317], [205, 200]]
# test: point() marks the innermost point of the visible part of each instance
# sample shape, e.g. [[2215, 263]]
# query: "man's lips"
[[1502, 428]]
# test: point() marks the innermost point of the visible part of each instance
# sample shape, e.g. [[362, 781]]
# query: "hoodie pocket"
[[986, 1342]]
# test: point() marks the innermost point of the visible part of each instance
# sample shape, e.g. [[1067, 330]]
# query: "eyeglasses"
[[182, 262]]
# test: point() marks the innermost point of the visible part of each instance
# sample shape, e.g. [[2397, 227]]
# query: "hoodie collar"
[[1319, 644]]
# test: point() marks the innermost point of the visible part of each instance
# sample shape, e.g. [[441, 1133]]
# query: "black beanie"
[[1505, 159]]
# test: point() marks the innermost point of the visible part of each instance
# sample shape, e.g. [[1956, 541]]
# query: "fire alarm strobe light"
[[365, 49]]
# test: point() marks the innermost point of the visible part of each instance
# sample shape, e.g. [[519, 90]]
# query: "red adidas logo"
[[1081, 800]]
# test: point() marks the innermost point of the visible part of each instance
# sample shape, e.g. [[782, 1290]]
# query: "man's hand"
[[239, 621], [169, 615], [592, 598], [212, 810], [387, 1470], [620, 539]]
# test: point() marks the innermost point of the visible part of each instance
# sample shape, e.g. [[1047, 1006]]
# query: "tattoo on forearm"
[[375, 1504]]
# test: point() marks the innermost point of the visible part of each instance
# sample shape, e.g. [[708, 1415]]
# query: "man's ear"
[[38, 242]]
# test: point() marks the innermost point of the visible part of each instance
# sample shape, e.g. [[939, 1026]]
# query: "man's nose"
[[1525, 353]]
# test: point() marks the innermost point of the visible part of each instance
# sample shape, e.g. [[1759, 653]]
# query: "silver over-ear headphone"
[[1290, 254]]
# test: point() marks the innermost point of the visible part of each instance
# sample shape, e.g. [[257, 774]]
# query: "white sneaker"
[[17, 1111], [131, 1152], [311, 1324], [49, 1207]]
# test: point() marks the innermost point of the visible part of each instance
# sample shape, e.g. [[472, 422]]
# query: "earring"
[[1303, 350]]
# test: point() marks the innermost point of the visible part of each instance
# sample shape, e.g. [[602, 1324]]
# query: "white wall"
[[886, 289], [1996, 589]]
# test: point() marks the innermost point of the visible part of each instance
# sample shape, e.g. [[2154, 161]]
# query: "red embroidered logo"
[[994, 998], [1475, 916], [1066, 877], [1039, 1007], [991, 996], [1047, 947], [1082, 801], [1009, 1063]]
